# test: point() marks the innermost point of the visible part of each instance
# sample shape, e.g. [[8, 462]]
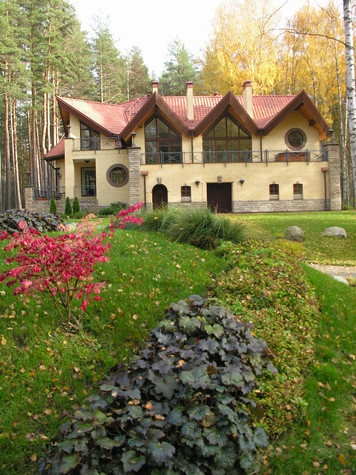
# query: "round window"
[[295, 139], [117, 175]]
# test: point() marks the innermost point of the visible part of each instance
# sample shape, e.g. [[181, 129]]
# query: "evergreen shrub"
[[53, 206], [76, 205], [68, 207]]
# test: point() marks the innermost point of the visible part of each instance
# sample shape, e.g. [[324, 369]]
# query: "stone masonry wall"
[[334, 176], [134, 157], [277, 206]]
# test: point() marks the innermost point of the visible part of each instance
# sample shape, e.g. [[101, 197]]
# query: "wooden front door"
[[159, 196], [219, 197]]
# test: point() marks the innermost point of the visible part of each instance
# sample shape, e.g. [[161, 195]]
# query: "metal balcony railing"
[[95, 144], [48, 192], [242, 156], [88, 191]]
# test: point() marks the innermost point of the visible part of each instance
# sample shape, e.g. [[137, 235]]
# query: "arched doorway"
[[159, 196]]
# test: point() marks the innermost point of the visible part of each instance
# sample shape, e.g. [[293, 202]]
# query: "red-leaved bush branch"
[[61, 266]]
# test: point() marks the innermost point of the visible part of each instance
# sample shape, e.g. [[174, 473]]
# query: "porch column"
[[134, 157], [69, 168], [333, 150]]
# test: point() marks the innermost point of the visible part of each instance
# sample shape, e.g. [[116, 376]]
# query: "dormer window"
[[163, 143], [227, 141], [89, 138]]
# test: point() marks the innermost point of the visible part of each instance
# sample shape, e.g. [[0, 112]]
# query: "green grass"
[[319, 249], [45, 370], [324, 440]]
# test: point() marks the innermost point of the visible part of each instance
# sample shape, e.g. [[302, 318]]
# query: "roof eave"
[[69, 108], [154, 101], [231, 104], [301, 99]]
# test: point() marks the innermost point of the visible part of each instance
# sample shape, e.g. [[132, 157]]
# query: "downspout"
[[261, 145], [144, 173], [192, 148], [325, 171]]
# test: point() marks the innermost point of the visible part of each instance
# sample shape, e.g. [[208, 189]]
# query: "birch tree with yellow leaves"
[[244, 46]]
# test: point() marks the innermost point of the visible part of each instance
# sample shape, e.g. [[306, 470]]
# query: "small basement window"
[[298, 191], [186, 193], [274, 191]]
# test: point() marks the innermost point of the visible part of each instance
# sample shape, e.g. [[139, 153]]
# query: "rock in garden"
[[334, 231], [341, 279], [294, 233]]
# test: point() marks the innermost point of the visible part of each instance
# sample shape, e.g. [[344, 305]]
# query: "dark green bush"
[[197, 226], [180, 408], [113, 209], [53, 206], [76, 205], [68, 207]]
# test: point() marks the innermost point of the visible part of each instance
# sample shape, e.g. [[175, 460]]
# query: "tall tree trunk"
[[15, 161], [350, 86], [344, 174], [7, 153]]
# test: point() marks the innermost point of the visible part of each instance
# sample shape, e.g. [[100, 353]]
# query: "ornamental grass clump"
[[179, 408], [199, 227]]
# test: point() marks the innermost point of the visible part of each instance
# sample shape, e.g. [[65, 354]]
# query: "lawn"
[[46, 372], [319, 249]]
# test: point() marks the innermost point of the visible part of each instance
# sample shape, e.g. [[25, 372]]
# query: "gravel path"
[[341, 271]]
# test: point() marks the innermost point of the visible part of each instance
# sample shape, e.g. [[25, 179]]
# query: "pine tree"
[[178, 70], [68, 211]]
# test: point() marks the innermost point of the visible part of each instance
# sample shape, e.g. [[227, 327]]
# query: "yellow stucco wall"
[[257, 176]]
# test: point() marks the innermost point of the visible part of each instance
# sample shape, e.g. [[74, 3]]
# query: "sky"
[[152, 25]]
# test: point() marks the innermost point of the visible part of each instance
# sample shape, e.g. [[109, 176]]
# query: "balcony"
[[95, 144], [225, 157]]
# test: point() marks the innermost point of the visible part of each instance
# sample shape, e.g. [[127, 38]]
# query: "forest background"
[[44, 52]]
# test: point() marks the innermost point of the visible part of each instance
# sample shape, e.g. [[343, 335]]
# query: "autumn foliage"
[[61, 266]]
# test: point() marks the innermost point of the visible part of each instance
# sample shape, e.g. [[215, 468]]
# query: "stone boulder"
[[294, 233], [334, 231], [339, 278]]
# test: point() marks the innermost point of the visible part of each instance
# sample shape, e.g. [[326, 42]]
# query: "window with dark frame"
[[227, 140], [88, 182], [295, 139], [162, 143], [298, 191], [274, 189], [186, 191], [117, 175], [89, 138]]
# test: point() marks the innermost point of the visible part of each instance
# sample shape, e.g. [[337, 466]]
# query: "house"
[[233, 153]]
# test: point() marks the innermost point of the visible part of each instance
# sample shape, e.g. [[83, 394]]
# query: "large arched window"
[[163, 144], [227, 141]]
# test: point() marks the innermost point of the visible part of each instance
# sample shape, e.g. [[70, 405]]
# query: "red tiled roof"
[[56, 152], [112, 119]]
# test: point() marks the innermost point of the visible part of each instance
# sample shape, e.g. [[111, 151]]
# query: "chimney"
[[247, 97], [154, 87], [190, 107]]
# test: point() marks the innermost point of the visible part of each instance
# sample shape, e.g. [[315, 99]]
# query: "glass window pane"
[[243, 134], [232, 128], [163, 130], [220, 145], [150, 129], [210, 133], [220, 128]]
